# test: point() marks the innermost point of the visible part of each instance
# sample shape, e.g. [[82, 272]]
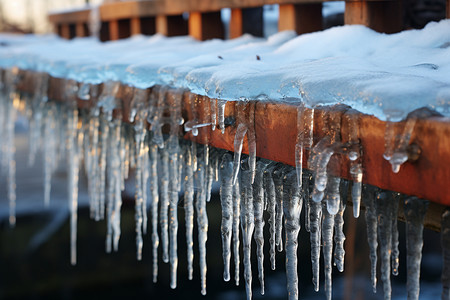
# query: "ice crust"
[[379, 74]]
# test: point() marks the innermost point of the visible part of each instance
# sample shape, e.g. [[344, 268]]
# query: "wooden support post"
[[171, 25], [113, 30], [135, 26], [382, 16], [248, 20], [303, 18], [79, 29], [65, 31], [448, 9], [205, 26]]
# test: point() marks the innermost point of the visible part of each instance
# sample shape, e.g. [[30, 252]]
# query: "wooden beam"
[[302, 18], [205, 26], [382, 16], [113, 30], [247, 20], [73, 16], [427, 177], [171, 25], [135, 26]]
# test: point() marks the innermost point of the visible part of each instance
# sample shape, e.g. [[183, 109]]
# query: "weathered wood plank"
[[73, 16], [65, 31]]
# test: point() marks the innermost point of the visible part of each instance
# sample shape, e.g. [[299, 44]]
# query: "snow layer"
[[384, 75]]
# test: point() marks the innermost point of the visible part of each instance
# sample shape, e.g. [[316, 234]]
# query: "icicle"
[[202, 220], [307, 179], [333, 198], [395, 252], [292, 206], [226, 198], [315, 217], [246, 126], [10, 153], [415, 210], [155, 200], [318, 161], [400, 154], [327, 242], [49, 151], [188, 185], [118, 184], [278, 181], [213, 105], [238, 143], [247, 223], [164, 208], [139, 201], [221, 114], [372, 225], [269, 193], [384, 212], [73, 148], [354, 155], [155, 114], [103, 160], [209, 174], [445, 243], [258, 206], [339, 237], [305, 127], [236, 225], [173, 148]]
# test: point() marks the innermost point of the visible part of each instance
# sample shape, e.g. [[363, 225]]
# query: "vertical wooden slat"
[[382, 16], [247, 20], [171, 25], [162, 26], [65, 31], [80, 32], [236, 23], [448, 9], [303, 18], [113, 30], [205, 26], [135, 26]]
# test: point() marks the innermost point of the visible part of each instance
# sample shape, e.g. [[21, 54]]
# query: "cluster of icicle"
[[252, 191]]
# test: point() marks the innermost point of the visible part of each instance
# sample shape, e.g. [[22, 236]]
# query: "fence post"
[[382, 16], [303, 18]]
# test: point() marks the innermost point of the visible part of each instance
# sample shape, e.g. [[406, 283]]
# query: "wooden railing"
[[123, 19]]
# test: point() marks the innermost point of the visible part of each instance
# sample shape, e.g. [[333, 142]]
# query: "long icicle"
[[258, 206], [415, 210], [226, 199], [247, 223], [372, 225], [236, 225], [189, 207], [269, 193], [384, 211], [292, 206], [327, 242], [277, 176], [154, 158], [202, 219]]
